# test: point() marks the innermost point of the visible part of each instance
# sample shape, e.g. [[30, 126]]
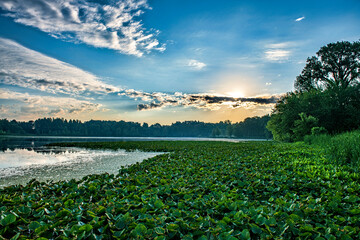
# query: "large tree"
[[327, 90], [336, 67]]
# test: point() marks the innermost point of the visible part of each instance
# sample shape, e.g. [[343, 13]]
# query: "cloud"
[[24, 67], [277, 54], [204, 101], [281, 45], [196, 65], [157, 100], [299, 19], [105, 24], [35, 105]]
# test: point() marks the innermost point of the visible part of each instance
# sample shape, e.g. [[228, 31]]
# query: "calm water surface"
[[25, 158], [22, 159], [13, 142]]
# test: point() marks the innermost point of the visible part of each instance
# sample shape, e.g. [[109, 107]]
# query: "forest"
[[254, 127]]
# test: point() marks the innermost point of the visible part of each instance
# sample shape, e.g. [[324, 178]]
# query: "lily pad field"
[[196, 190]]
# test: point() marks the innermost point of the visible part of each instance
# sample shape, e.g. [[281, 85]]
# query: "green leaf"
[[158, 204], [307, 228], [355, 211], [24, 210], [15, 237], [256, 229], [8, 219], [140, 229], [41, 229], [260, 220], [203, 237], [172, 227], [86, 228], [160, 238], [68, 203], [34, 225], [159, 230], [245, 234], [119, 233], [63, 213]]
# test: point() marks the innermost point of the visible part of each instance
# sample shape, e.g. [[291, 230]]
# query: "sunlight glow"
[[235, 94]]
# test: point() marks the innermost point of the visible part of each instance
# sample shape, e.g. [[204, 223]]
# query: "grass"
[[341, 149], [199, 190]]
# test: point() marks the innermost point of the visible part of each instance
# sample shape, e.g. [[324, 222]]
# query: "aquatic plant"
[[199, 190]]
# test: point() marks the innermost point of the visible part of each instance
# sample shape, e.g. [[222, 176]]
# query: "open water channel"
[[26, 158]]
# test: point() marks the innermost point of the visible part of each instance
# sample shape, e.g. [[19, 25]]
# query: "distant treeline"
[[250, 128]]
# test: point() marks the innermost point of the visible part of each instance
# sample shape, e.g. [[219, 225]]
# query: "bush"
[[318, 131], [343, 148]]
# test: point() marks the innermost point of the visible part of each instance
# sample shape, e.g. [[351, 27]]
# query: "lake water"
[[13, 142], [25, 158]]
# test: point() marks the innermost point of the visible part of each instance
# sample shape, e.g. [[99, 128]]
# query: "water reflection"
[[25, 157], [33, 142], [19, 166]]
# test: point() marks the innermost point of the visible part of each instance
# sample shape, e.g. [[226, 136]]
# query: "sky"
[[159, 61]]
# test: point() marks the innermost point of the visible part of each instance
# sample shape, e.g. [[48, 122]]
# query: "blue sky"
[[160, 61]]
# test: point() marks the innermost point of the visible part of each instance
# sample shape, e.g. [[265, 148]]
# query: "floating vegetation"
[[200, 190]]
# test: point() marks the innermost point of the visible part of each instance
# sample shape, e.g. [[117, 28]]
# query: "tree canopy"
[[326, 97], [336, 67]]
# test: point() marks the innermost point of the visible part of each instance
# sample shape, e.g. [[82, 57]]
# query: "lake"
[[24, 158], [13, 142]]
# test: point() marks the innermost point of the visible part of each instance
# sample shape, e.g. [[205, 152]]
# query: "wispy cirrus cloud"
[[278, 52], [196, 65], [105, 24], [28, 105], [24, 67]]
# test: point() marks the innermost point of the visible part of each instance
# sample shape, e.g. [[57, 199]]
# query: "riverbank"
[[199, 190]]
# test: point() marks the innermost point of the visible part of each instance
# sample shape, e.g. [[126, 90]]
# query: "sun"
[[235, 94]]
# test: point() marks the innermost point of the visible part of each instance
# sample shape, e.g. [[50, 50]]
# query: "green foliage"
[[7, 219], [328, 89], [249, 128], [318, 131], [254, 127], [336, 67], [198, 190], [341, 149], [303, 126]]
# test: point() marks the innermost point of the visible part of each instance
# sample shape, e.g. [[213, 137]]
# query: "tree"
[[215, 132], [328, 89], [336, 66], [304, 125]]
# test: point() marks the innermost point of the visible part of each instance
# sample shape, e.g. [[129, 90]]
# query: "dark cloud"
[[44, 82], [221, 99], [199, 101], [142, 106]]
